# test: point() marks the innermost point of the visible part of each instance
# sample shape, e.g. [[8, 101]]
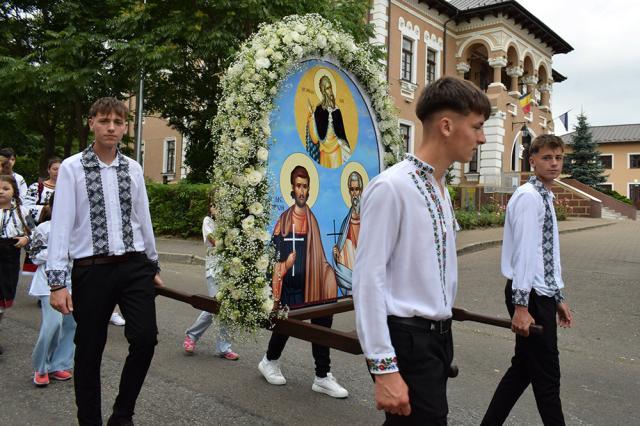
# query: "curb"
[[192, 259], [475, 247]]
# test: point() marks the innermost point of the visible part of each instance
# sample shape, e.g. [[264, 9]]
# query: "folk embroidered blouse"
[[10, 224], [36, 198], [406, 258], [22, 186], [100, 209], [522, 248]]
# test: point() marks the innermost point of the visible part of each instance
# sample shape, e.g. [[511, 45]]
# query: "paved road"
[[600, 356]]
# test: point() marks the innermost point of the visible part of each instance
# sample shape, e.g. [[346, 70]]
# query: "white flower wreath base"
[[241, 133]]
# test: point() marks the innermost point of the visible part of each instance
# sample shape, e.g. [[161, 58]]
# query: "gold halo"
[[352, 166], [316, 82], [299, 159]]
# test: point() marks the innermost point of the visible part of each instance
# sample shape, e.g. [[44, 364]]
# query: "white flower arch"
[[241, 133]]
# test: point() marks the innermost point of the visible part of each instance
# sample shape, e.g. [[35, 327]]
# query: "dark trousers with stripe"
[[96, 291], [536, 362]]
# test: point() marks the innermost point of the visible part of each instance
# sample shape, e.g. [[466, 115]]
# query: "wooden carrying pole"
[[295, 326]]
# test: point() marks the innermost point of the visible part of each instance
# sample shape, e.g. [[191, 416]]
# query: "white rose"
[[263, 263], [277, 56], [389, 158], [263, 153], [257, 96], [297, 50], [240, 181], [273, 75], [248, 222], [248, 88], [287, 39], [268, 51], [256, 209], [273, 90], [266, 292], [236, 294], [321, 41], [267, 306], [254, 177], [263, 63], [300, 28], [261, 53], [295, 36], [234, 232]]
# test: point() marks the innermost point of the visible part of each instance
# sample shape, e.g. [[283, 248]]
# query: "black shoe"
[[120, 421], [1, 350]]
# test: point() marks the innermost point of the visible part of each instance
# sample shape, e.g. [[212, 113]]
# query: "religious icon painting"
[[324, 149]]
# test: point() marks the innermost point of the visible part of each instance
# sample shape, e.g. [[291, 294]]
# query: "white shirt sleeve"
[[62, 221], [22, 188], [525, 241], [379, 229], [141, 205]]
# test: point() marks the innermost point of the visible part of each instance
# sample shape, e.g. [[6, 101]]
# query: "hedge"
[[178, 209]]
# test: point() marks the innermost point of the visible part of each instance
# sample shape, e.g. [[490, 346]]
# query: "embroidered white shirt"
[[522, 260], [37, 249], [35, 200], [22, 186], [78, 223], [397, 268], [10, 224]]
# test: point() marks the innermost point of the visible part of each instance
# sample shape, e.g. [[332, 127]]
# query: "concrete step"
[[608, 213]]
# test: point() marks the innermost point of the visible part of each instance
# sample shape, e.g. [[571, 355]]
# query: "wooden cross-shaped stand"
[[293, 240]]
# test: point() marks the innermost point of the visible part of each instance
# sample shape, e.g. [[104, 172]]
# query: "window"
[[473, 164], [634, 193], [170, 156], [406, 132], [605, 187], [406, 73], [634, 161], [431, 66], [607, 161]]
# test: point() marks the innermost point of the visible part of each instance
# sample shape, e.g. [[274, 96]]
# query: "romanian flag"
[[525, 103]]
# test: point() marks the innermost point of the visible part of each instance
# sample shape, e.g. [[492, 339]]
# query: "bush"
[[615, 194], [178, 209], [488, 216]]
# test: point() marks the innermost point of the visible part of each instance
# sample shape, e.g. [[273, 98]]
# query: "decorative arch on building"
[[517, 159], [476, 39], [476, 55], [412, 33], [433, 57]]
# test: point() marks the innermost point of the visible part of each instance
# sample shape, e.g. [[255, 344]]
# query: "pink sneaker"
[[189, 345], [40, 379], [230, 355], [61, 375]]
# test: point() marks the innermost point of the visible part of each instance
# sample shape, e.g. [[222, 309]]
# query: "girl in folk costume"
[[53, 352], [204, 320], [37, 197], [14, 234]]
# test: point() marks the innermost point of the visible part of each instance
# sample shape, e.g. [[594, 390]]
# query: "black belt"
[[105, 259], [441, 327]]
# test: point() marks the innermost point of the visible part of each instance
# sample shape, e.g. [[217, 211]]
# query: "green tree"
[[583, 164], [185, 46]]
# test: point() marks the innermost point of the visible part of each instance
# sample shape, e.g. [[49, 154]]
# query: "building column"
[[497, 64], [530, 81], [492, 151], [514, 73], [545, 95], [462, 68], [380, 19]]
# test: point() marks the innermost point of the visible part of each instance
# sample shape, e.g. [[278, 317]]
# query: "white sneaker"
[[271, 371], [329, 386], [116, 319]]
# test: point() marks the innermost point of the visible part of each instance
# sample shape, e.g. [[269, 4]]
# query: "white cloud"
[[604, 69]]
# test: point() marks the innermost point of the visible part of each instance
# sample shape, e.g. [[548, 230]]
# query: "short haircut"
[[299, 172], [454, 94], [7, 152], [545, 141], [108, 105]]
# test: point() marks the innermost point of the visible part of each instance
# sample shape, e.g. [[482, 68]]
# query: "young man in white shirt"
[[101, 222], [405, 275], [533, 294]]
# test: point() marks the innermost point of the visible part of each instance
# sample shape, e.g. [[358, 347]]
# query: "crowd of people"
[[88, 226]]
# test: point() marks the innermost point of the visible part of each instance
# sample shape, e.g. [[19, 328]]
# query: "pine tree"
[[583, 164]]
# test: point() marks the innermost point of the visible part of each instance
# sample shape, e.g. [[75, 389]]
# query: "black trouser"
[[320, 353], [535, 361], [96, 291], [9, 271], [424, 357]]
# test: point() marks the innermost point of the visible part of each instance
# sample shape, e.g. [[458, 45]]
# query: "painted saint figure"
[[302, 274], [344, 252], [326, 140]]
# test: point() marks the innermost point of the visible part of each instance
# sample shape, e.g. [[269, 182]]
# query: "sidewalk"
[[192, 251]]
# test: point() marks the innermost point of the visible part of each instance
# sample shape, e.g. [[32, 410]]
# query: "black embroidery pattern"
[[56, 277], [97, 209], [520, 297], [124, 191], [37, 244]]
